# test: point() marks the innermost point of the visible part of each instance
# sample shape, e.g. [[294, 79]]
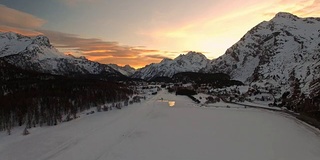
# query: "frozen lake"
[[173, 128]]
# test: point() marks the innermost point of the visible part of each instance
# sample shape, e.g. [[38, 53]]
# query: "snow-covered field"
[[152, 130]]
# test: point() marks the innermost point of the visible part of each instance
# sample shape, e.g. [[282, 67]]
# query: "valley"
[[154, 130]]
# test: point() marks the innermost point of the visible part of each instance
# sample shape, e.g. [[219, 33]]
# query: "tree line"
[[46, 102], [35, 99]]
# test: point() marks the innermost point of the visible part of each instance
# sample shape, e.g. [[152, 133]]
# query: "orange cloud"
[[14, 18], [102, 51], [18, 30], [302, 8], [312, 9], [138, 62]]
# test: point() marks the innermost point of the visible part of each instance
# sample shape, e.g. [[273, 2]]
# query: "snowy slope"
[[275, 53], [12, 44], [153, 130], [126, 70], [190, 62], [36, 53]]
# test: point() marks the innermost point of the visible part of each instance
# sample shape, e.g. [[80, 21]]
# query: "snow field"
[[153, 130]]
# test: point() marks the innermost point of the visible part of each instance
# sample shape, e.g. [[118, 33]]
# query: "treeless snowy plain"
[[152, 130]]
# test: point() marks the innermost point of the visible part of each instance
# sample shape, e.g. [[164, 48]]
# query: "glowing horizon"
[[139, 33]]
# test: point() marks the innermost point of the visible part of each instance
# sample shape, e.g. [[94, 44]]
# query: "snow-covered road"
[[152, 130]]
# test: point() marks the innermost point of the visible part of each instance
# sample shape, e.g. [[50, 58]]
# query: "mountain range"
[[37, 54], [126, 70], [276, 54], [190, 62]]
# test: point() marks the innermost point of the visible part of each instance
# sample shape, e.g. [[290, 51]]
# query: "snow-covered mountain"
[[190, 62], [279, 53], [126, 70], [37, 54]]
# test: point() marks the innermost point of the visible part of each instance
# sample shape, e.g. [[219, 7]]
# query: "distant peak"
[[83, 57], [10, 35], [41, 40], [285, 15], [128, 67], [191, 54], [165, 60]]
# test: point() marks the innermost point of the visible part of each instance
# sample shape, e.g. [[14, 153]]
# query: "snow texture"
[[153, 130]]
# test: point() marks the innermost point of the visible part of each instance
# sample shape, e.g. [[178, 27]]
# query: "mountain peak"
[[128, 67], [193, 57], [192, 53], [165, 60], [286, 15], [41, 40], [126, 70], [11, 35]]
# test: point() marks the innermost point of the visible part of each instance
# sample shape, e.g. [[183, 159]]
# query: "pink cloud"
[[18, 30], [14, 18], [301, 8]]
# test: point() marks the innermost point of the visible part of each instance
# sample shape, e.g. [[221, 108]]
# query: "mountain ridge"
[[126, 70], [37, 54], [190, 62]]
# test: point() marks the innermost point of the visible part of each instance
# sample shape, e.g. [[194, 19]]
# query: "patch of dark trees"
[[33, 99], [216, 80], [187, 92], [161, 79], [307, 106]]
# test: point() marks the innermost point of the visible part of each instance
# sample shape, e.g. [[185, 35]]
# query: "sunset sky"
[[139, 32]]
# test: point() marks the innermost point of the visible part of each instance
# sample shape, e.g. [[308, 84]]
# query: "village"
[[206, 94]]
